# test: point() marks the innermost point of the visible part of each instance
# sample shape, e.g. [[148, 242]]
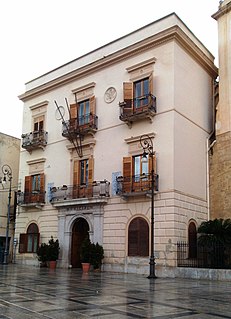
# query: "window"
[[84, 165], [141, 91], [192, 240], [138, 237], [34, 189], [29, 242], [139, 167], [84, 112], [39, 123]]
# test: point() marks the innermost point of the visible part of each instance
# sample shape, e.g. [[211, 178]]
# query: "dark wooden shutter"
[[73, 111], [27, 189], [22, 243], [90, 176], [42, 188], [128, 96], [150, 82], [127, 174], [138, 238], [76, 179]]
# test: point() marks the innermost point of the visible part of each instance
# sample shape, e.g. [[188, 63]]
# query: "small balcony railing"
[[213, 256], [97, 189], [136, 185], [34, 140], [80, 126], [31, 198], [138, 108]]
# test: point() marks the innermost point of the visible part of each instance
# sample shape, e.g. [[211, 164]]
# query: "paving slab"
[[28, 292]]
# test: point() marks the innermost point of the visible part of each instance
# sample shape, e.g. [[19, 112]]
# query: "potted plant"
[[53, 252], [85, 254], [97, 255], [42, 254]]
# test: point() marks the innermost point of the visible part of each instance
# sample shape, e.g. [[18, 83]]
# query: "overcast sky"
[[40, 35]]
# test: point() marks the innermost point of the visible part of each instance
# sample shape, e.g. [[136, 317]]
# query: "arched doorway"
[[80, 231]]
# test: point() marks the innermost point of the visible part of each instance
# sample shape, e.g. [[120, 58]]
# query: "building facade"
[[81, 166], [9, 162], [220, 149]]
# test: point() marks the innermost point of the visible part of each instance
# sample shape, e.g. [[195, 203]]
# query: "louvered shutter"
[[22, 243], [128, 96], [90, 176], [73, 111], [27, 189], [150, 171], [42, 188], [92, 105], [150, 82], [76, 179], [127, 174]]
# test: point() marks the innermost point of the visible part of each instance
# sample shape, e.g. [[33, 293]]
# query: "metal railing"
[[213, 256], [28, 198], [145, 104], [34, 139], [80, 125], [95, 189], [136, 184]]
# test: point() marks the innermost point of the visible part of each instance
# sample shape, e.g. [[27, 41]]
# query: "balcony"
[[96, 192], [137, 109], [136, 185], [34, 140], [31, 199], [86, 124]]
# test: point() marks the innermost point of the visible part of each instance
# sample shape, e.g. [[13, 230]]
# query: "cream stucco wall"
[[183, 72]]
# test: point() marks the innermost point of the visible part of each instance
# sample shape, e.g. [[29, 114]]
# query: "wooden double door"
[[80, 231]]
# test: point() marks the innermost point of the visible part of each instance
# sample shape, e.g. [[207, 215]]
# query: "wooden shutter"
[[92, 105], [128, 95], [138, 237], [76, 173], [127, 174], [27, 189], [42, 188], [90, 169], [22, 243], [73, 111], [150, 163], [150, 80]]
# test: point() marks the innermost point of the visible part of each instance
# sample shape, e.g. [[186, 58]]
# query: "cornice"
[[170, 34], [223, 9]]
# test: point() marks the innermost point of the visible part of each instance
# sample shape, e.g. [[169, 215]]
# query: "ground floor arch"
[[80, 231]]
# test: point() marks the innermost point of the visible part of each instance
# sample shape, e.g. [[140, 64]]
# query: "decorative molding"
[[174, 33], [38, 105]]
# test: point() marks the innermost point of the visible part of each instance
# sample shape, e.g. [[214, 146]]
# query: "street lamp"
[[147, 145], [7, 174]]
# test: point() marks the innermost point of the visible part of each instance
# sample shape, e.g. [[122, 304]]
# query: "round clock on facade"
[[110, 95]]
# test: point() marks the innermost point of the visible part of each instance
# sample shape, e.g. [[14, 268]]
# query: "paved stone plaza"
[[38, 293]]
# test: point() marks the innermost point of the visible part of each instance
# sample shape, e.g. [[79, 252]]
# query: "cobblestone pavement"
[[40, 293]]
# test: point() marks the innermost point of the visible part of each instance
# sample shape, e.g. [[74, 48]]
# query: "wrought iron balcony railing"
[[138, 108], [31, 198], [96, 189], [136, 185], [79, 126], [34, 140]]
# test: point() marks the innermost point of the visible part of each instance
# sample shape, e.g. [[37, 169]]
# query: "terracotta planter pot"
[[86, 267], [52, 264]]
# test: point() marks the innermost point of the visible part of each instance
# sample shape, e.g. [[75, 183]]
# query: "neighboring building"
[[81, 170], [9, 155], [220, 149]]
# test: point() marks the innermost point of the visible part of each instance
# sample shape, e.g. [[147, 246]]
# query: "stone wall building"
[[9, 158], [220, 148], [81, 167]]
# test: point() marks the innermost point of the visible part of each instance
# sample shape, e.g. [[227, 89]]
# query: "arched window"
[[138, 237], [192, 240], [29, 242]]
